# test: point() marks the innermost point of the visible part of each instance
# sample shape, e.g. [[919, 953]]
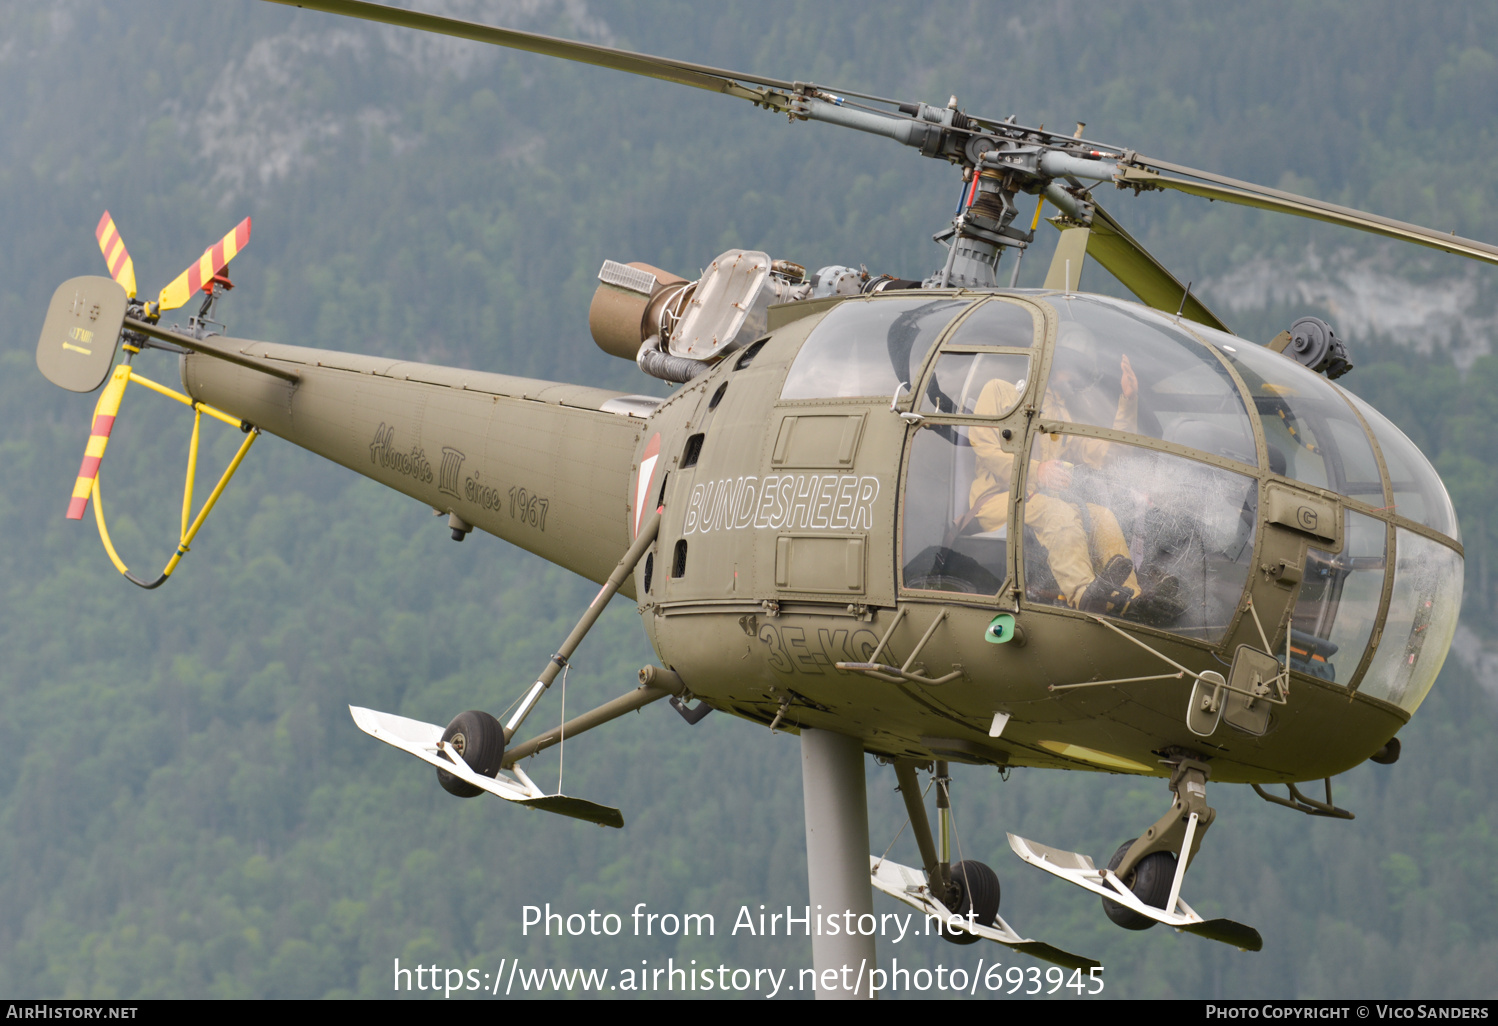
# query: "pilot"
[[1089, 556]]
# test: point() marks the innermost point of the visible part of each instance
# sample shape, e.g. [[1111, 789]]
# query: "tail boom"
[[536, 463]]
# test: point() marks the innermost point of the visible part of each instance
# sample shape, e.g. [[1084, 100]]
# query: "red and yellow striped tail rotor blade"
[[210, 263], [121, 267], [98, 438]]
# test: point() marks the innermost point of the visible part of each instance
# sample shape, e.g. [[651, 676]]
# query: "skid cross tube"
[[636, 552]]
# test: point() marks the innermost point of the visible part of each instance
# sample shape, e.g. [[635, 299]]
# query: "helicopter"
[[982, 658]]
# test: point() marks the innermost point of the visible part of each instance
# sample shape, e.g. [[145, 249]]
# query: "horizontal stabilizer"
[[909, 886], [424, 740], [1080, 870]]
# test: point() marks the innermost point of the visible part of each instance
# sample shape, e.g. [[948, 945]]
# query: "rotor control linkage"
[[626, 566]]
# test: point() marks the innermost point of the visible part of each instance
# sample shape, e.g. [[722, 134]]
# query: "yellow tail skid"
[[190, 525]]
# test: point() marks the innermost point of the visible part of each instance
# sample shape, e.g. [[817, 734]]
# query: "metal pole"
[[636, 699], [915, 807], [837, 862], [944, 819], [595, 609]]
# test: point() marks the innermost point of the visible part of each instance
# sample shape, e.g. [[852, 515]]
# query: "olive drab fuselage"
[[786, 548], [810, 521]]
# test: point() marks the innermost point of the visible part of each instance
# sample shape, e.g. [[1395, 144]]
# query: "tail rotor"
[[86, 322]]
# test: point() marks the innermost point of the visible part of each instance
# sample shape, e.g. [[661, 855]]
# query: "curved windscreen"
[[997, 323], [1418, 491], [1312, 434], [868, 347], [1337, 607], [1136, 533], [1125, 369], [1421, 622]]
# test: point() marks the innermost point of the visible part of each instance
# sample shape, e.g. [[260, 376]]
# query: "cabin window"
[[1418, 491], [1312, 434], [984, 364], [1136, 533], [868, 348], [1120, 367], [1421, 622], [1337, 607], [999, 323], [954, 526], [976, 384]]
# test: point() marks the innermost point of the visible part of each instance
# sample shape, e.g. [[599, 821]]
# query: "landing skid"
[[909, 886], [424, 740], [1079, 870]]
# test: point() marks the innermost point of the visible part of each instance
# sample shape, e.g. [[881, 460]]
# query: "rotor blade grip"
[[1060, 165], [1067, 203], [911, 133]]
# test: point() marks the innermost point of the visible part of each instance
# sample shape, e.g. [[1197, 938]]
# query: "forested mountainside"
[[186, 808]]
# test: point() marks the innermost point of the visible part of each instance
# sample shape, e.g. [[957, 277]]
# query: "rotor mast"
[[999, 160]]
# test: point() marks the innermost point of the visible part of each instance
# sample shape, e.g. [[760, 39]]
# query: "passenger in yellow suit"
[[1091, 563]]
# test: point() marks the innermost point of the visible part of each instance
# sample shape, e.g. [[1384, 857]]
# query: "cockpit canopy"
[[1156, 440]]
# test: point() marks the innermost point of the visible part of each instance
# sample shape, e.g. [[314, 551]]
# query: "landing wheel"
[[977, 890], [1150, 883], [480, 740]]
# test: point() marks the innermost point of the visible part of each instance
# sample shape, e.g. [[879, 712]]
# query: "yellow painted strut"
[[188, 530]]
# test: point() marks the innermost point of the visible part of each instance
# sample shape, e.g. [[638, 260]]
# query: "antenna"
[[1184, 296]]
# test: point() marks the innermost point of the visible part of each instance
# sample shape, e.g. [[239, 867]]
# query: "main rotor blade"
[[769, 91], [1231, 190]]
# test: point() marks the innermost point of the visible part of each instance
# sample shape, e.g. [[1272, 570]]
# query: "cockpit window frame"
[[1026, 423], [1043, 318], [917, 371]]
